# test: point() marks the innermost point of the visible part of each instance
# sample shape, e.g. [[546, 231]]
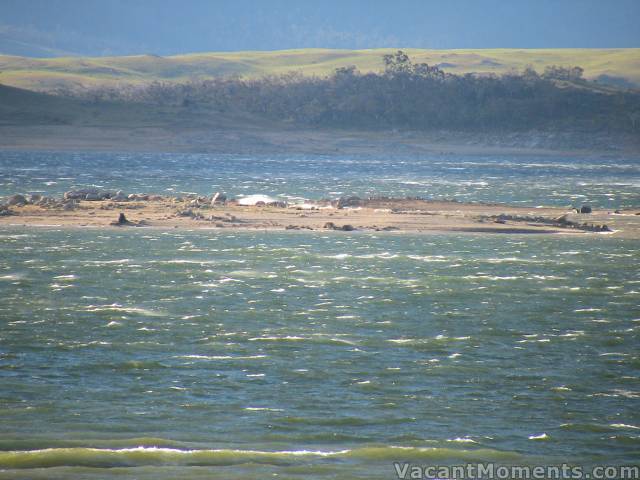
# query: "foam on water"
[[120, 308], [221, 357], [139, 456]]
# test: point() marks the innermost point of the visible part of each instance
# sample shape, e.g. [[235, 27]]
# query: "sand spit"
[[100, 209]]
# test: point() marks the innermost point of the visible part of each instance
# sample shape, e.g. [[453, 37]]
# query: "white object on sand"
[[251, 200]]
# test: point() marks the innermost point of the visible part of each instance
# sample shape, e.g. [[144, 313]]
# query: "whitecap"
[[114, 307], [263, 409], [461, 440], [624, 425], [289, 338], [65, 278], [428, 258], [490, 277], [181, 261], [12, 277], [107, 262], [561, 388], [220, 357]]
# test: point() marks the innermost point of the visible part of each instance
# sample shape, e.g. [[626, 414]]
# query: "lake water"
[[609, 183], [158, 354]]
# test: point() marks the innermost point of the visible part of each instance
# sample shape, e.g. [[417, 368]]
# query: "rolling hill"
[[613, 66]]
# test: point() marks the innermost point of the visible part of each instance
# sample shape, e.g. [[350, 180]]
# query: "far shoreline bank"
[[262, 141]]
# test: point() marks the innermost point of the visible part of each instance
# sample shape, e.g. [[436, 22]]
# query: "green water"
[[171, 354]]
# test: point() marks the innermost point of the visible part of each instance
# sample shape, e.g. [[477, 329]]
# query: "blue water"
[[156, 354], [571, 181]]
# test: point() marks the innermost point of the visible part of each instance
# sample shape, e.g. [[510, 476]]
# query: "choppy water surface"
[[171, 354], [603, 182]]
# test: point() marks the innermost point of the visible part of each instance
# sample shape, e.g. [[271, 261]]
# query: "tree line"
[[404, 95]]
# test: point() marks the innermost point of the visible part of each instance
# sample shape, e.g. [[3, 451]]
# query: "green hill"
[[616, 66], [20, 107]]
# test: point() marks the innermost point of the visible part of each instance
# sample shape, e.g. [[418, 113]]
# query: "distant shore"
[[372, 215], [260, 139]]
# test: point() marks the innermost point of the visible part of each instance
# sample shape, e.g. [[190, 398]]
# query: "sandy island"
[[350, 214]]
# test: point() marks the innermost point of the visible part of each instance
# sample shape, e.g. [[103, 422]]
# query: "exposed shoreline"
[[260, 139], [376, 215]]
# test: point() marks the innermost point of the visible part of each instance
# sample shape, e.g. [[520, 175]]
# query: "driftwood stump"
[[122, 221]]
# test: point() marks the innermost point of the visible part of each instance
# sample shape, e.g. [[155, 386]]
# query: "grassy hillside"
[[25, 108], [622, 65], [20, 107]]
